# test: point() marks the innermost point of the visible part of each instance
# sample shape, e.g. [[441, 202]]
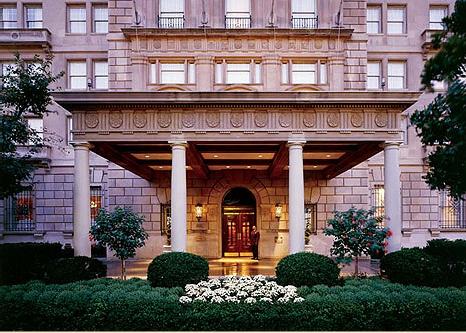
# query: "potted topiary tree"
[[357, 232], [120, 230]]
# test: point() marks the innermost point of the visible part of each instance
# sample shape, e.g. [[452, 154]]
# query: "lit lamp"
[[278, 211], [198, 209]]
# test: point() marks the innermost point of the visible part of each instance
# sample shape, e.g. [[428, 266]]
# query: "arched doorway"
[[238, 218]]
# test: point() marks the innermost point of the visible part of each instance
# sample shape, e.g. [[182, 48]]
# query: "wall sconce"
[[198, 209], [278, 211]]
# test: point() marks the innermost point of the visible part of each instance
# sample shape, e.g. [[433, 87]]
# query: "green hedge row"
[[107, 304]]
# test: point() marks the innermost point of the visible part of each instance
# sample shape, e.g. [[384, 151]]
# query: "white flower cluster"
[[236, 289]]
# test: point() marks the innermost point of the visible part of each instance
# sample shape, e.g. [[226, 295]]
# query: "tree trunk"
[[123, 269], [356, 267]]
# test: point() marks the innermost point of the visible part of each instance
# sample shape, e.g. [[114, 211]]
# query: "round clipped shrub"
[[177, 269], [74, 269], [412, 266], [307, 269]]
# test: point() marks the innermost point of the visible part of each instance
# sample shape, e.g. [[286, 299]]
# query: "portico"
[[283, 147]]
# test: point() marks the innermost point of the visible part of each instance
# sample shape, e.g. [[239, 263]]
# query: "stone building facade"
[[215, 116]]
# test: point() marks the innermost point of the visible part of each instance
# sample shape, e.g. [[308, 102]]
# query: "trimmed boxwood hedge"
[[177, 269], [106, 304], [307, 269], [66, 270]]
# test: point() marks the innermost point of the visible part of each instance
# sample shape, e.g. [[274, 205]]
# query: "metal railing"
[[19, 212], [452, 212], [237, 22], [311, 22], [174, 22]]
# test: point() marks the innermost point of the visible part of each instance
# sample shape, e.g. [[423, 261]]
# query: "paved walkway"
[[229, 266]]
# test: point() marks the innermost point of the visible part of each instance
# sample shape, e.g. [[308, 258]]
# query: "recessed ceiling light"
[[314, 166], [160, 167], [249, 167], [216, 156], [228, 167], [260, 156], [328, 155], [147, 156]]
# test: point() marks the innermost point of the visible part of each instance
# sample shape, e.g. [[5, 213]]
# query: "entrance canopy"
[[236, 130]]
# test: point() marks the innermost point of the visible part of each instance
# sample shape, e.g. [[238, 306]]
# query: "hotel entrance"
[[238, 218]]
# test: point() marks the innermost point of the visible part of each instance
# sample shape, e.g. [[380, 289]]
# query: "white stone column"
[[178, 196], [81, 200], [392, 193], [296, 197]]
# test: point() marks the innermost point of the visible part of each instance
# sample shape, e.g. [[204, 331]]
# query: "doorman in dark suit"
[[255, 236]]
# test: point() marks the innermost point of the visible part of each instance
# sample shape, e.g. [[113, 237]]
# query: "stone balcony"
[[28, 37], [41, 158], [426, 39]]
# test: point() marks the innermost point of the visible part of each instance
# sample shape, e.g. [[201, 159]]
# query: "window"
[[373, 75], [77, 75], [396, 20], [9, 17], [96, 201], [285, 73], [172, 74], [238, 73], [99, 19], [77, 19], [238, 14], [33, 17], [323, 73], [310, 218], [452, 212], [396, 75], [6, 68], [303, 73], [37, 124], [218, 73], [19, 211], [303, 14], [171, 14], [101, 75], [374, 19], [378, 198], [165, 210], [69, 129], [436, 14]]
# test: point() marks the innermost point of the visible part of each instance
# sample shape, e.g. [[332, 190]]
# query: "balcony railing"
[[305, 22], [237, 22], [40, 37], [171, 22]]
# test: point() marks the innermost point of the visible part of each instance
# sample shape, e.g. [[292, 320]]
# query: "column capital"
[[391, 144], [178, 143], [81, 145], [296, 143]]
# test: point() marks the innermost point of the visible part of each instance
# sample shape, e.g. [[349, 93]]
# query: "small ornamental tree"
[[356, 232], [120, 230]]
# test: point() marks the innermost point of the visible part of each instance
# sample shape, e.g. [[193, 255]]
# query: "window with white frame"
[[101, 74], [396, 20], [378, 200], [373, 75], [374, 19], [303, 14], [233, 72], [77, 19], [303, 73], [436, 15], [37, 124], [19, 211], [100, 19], [238, 73], [238, 14], [452, 212], [9, 17], [323, 72], [77, 75], [396, 75], [34, 16], [171, 14], [183, 72]]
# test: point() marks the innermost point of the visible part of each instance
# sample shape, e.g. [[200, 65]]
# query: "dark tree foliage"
[[442, 123], [25, 93]]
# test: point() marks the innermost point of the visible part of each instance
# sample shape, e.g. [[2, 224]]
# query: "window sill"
[[397, 35], [76, 34], [452, 230]]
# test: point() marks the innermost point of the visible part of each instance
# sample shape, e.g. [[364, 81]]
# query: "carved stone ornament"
[[357, 119], [381, 120], [157, 44], [92, 120], [115, 119], [309, 119], [260, 119], [318, 44], [284, 119], [333, 119], [164, 120], [238, 43], [188, 120], [139, 119], [237, 119], [213, 120]]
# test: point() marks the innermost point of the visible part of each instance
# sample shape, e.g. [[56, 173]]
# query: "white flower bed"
[[236, 289]]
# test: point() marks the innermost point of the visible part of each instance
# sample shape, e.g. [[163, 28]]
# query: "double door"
[[237, 226]]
